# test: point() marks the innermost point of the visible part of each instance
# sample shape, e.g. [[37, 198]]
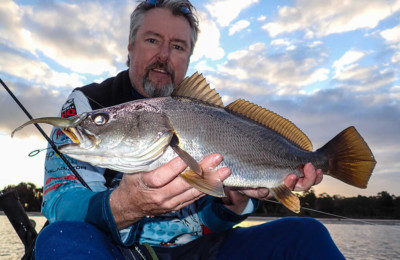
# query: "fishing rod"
[[53, 146]]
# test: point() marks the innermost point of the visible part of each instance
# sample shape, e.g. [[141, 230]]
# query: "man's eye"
[[152, 41], [177, 47]]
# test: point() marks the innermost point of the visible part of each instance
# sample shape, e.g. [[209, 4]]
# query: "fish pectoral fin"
[[284, 195], [187, 158], [210, 186]]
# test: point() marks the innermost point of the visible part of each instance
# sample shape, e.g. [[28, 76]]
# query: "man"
[[138, 216]]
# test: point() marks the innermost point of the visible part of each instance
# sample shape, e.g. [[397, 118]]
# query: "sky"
[[324, 65]]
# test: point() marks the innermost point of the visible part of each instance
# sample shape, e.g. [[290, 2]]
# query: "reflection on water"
[[374, 241], [369, 242], [366, 240], [11, 246]]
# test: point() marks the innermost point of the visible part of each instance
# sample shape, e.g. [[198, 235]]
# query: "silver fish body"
[[260, 147], [256, 155]]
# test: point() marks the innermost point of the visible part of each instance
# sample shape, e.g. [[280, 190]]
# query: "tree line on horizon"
[[381, 206]]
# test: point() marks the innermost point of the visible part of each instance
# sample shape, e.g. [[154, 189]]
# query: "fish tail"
[[349, 158], [210, 186]]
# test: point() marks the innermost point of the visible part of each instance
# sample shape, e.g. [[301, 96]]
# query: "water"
[[11, 246], [367, 242], [377, 240]]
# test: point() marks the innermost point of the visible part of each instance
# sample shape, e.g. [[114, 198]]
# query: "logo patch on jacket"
[[68, 109]]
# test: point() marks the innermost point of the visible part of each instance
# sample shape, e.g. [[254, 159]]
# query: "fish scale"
[[256, 156]]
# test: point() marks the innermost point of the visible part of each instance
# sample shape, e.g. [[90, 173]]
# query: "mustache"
[[162, 66]]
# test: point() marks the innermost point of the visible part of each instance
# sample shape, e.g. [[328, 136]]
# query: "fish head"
[[126, 138]]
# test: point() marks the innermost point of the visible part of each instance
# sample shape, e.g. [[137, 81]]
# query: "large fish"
[[260, 147]]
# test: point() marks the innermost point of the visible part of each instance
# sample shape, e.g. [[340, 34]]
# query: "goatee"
[[161, 91], [154, 91]]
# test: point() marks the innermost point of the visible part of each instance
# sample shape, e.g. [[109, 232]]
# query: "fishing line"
[[36, 152], [77, 175], [329, 214]]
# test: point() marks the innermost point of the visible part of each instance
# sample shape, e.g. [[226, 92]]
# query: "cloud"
[[261, 18], [39, 101], [85, 38], [35, 71], [350, 74], [284, 73], [238, 26], [392, 38], [347, 59], [322, 18], [225, 11], [208, 44]]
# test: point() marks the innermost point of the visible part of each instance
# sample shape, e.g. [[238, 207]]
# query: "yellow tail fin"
[[350, 159]]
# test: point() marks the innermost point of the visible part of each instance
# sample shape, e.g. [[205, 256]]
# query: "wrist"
[[123, 216], [235, 201]]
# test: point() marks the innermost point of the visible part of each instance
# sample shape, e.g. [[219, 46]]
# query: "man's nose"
[[164, 53]]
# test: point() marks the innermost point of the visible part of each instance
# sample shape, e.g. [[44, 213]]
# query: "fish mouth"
[[69, 126], [80, 137], [72, 129]]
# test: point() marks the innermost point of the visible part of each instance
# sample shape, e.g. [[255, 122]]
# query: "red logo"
[[69, 112]]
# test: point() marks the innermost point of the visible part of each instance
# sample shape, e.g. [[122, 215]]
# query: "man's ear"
[[130, 46]]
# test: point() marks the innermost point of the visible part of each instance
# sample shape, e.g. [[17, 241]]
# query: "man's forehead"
[[161, 22]]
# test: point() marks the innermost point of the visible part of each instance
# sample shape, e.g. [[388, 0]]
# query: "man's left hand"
[[237, 199]]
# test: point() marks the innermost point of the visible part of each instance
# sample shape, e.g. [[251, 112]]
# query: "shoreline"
[[256, 220]]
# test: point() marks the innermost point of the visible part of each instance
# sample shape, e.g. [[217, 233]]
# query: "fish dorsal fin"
[[197, 87], [271, 120]]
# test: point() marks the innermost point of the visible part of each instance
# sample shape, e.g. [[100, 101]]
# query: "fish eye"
[[100, 119]]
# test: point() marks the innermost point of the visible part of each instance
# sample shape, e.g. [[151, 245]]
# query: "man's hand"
[[157, 192], [237, 199]]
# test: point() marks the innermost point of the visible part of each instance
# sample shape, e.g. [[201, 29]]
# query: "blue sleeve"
[[64, 197], [99, 214], [215, 216]]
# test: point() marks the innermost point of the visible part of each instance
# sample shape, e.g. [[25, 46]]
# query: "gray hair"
[[177, 7]]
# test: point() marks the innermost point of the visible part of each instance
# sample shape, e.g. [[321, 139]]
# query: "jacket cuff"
[[219, 218], [99, 214]]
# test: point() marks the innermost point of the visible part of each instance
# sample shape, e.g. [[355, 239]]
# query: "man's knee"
[[71, 239]]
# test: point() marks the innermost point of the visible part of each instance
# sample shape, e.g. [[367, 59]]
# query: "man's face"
[[159, 56]]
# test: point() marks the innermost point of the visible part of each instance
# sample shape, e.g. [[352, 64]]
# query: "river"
[[369, 240]]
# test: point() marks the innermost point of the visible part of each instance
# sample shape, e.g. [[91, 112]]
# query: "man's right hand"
[[157, 192]]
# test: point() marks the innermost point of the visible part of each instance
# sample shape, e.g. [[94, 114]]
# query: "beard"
[[158, 91], [154, 91]]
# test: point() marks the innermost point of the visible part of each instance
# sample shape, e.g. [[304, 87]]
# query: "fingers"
[[319, 176], [211, 161], [163, 174], [311, 177], [169, 171], [257, 193], [290, 181], [168, 191]]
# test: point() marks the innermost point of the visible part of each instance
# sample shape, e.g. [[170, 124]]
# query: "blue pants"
[[286, 238]]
